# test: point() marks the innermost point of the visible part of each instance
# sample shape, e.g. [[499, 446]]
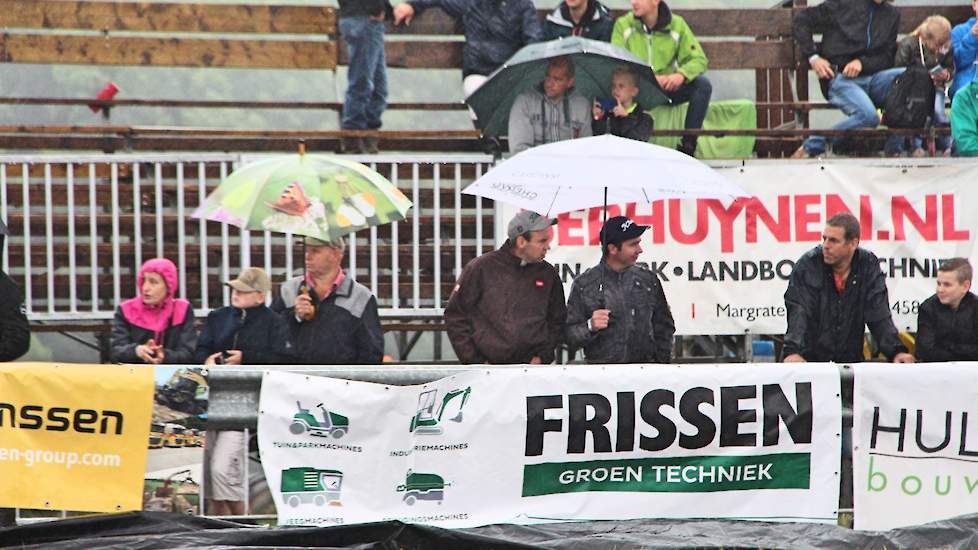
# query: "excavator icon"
[[429, 415]]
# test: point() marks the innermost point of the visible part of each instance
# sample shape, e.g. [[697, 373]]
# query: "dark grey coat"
[[826, 326], [641, 325]]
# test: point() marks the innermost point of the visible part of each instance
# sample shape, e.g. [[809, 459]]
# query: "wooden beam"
[[224, 104], [726, 54], [176, 52], [912, 16], [168, 17], [704, 22]]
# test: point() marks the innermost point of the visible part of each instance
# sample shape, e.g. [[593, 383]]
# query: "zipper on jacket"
[[869, 28]]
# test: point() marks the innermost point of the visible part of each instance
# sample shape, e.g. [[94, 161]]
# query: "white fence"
[[81, 225]]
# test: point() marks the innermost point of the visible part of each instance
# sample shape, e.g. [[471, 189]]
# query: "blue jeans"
[[858, 98], [366, 88], [697, 92]]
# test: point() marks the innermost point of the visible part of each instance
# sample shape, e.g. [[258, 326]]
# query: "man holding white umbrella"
[[617, 310]]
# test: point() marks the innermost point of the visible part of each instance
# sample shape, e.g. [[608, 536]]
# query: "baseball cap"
[[528, 221], [253, 279], [335, 243], [620, 229]]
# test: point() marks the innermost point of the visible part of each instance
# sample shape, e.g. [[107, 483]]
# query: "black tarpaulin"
[[156, 530]]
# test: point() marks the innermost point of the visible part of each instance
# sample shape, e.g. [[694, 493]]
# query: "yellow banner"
[[73, 437]]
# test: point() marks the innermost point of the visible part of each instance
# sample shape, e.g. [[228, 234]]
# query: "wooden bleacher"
[[256, 36], [306, 37]]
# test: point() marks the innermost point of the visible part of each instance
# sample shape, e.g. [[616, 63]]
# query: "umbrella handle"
[[304, 290]]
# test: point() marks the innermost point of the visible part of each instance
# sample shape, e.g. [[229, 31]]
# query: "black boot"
[[371, 145], [352, 145], [687, 146]]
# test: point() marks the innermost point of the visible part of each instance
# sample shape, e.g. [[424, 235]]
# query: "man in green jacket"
[[664, 40], [964, 120]]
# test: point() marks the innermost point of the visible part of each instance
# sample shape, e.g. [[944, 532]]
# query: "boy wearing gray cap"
[[247, 332], [508, 305], [617, 310]]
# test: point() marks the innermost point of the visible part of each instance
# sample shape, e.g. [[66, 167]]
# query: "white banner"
[[913, 459], [531, 445], [725, 265]]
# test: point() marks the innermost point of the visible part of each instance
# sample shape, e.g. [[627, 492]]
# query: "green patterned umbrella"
[[317, 196]]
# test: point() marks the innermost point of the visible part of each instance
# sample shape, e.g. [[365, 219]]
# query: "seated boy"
[[626, 118]]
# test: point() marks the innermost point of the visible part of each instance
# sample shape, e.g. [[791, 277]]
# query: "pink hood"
[[157, 318]]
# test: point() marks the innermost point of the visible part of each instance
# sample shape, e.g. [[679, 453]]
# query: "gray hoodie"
[[535, 119]]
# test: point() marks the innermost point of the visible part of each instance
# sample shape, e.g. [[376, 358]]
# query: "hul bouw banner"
[[915, 443], [518, 445], [725, 265], [73, 437]]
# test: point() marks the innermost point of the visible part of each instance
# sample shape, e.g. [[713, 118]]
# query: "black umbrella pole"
[[605, 204]]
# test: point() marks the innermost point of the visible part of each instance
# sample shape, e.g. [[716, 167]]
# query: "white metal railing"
[[81, 225]]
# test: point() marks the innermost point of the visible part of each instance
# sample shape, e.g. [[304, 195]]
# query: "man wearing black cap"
[[15, 331], [617, 310], [508, 305]]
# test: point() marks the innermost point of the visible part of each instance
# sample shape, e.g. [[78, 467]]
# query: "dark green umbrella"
[[594, 61]]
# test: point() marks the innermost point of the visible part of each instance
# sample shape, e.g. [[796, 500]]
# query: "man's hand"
[[233, 357], [599, 319], [212, 358], [536, 360], [822, 68], [852, 68], [941, 77], [974, 29], [903, 358], [795, 358], [672, 82], [304, 308], [403, 13]]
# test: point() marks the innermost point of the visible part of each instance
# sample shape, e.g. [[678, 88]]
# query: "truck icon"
[[430, 412], [328, 424], [303, 484], [419, 486]]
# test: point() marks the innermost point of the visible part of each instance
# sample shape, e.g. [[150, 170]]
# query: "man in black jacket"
[[585, 18], [834, 292], [947, 322], [494, 30], [15, 331], [853, 62], [617, 310], [332, 318]]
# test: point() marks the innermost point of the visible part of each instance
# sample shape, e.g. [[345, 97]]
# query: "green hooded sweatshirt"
[[964, 120], [671, 47]]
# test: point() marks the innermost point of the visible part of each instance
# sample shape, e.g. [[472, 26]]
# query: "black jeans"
[[697, 92]]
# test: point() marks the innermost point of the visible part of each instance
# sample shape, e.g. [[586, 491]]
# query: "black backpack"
[[910, 100]]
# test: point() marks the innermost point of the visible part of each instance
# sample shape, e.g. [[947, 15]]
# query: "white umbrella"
[[586, 172]]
